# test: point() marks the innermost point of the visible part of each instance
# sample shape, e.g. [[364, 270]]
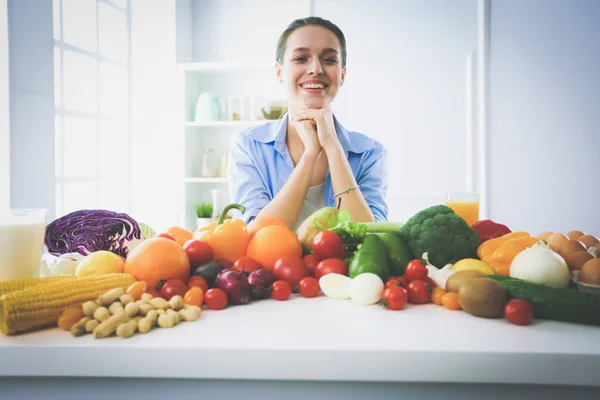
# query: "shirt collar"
[[277, 130]]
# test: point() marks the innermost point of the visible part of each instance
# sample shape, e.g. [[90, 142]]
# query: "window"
[[92, 104]]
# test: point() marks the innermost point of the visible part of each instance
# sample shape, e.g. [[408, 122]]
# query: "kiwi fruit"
[[460, 277], [482, 297]]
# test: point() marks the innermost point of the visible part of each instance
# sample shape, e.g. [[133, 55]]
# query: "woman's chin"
[[314, 102]]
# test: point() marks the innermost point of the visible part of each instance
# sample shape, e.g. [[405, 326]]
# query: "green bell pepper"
[[370, 257], [398, 252]]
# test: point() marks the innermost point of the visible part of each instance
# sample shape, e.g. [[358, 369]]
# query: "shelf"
[[205, 180], [223, 124], [227, 66]]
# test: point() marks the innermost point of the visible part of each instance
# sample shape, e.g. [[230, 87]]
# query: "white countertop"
[[322, 339]]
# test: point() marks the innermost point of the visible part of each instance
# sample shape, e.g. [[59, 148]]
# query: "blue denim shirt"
[[260, 164]]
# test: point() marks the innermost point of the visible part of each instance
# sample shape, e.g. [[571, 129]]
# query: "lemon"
[[100, 262], [472, 263]]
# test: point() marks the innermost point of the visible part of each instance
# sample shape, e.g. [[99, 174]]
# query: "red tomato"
[[194, 297], [311, 261], [331, 265], [404, 281], [198, 281], [198, 252], [309, 287], [394, 297], [246, 264], [416, 270], [281, 290], [215, 299], [418, 292], [167, 236], [518, 312], [392, 282], [172, 287], [327, 244], [290, 269]]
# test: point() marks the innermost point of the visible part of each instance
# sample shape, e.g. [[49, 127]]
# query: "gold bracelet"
[[346, 191]]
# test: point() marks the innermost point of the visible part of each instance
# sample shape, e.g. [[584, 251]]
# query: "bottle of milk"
[[21, 243]]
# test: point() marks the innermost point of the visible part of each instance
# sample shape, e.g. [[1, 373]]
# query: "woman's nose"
[[315, 68]]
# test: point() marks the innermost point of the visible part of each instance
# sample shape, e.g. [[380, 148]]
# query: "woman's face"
[[312, 70]]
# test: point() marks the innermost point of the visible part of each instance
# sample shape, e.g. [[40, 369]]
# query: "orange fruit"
[[259, 223], [181, 235], [271, 243], [158, 259]]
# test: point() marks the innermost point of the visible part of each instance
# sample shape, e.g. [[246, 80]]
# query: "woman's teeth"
[[313, 86]]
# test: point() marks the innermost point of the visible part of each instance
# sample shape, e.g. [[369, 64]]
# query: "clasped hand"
[[317, 130]]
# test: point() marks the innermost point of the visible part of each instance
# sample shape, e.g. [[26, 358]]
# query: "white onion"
[[541, 265]]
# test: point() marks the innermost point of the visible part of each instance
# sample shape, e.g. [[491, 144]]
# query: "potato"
[[460, 277], [482, 297]]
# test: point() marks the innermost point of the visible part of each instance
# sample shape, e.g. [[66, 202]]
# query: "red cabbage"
[[86, 231]]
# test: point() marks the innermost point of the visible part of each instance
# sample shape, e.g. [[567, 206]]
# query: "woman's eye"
[[300, 59], [330, 60]]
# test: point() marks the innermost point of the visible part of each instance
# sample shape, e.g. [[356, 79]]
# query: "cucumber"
[[559, 304]]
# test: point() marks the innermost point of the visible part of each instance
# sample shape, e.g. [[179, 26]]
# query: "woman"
[[307, 160]]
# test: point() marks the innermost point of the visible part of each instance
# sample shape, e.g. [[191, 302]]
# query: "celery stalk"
[[382, 227]]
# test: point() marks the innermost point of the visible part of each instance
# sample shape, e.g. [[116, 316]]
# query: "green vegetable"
[[559, 304], [370, 257], [398, 252], [441, 233]]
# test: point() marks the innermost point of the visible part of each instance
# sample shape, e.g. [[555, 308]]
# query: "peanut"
[[89, 307], [107, 327], [131, 309], [160, 303], [91, 325], [175, 315], [78, 328], [127, 329], [146, 323], [147, 297], [145, 309], [190, 313], [111, 296], [176, 302], [166, 321], [116, 307], [101, 314], [126, 299], [161, 312]]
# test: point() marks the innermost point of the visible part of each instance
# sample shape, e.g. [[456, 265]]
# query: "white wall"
[[4, 111], [31, 104], [545, 114]]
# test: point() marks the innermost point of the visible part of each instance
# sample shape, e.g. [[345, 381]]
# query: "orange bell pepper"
[[487, 248], [228, 238], [502, 258]]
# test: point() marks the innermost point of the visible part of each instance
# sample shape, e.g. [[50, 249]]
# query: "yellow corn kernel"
[[19, 284], [40, 306]]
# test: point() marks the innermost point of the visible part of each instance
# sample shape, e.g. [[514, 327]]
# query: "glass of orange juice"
[[465, 204]]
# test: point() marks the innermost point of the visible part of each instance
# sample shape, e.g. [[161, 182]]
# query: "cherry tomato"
[[198, 281], [172, 287], [416, 270], [215, 299], [436, 295], [392, 282], [309, 287], [518, 312], [198, 252], [394, 297], [137, 289], [311, 261], [404, 281], [246, 264], [194, 297], [331, 265], [327, 244], [291, 269], [418, 292], [450, 301], [281, 290]]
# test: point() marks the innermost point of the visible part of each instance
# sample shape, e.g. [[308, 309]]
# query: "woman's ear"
[[343, 76], [279, 68]]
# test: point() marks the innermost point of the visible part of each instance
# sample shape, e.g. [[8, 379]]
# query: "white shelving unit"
[[253, 82]]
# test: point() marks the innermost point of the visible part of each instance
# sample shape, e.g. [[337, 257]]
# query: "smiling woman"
[[307, 159]]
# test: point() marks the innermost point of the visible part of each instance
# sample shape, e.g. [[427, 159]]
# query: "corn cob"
[[40, 306], [19, 284]]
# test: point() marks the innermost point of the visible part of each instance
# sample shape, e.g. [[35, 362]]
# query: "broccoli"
[[443, 234]]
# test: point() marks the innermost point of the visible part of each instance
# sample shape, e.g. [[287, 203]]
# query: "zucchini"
[[559, 304]]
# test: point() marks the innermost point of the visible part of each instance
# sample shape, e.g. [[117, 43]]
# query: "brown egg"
[[590, 272], [574, 235], [569, 247], [544, 235], [589, 240], [576, 260], [556, 240]]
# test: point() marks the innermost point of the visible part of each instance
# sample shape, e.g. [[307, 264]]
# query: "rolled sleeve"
[[373, 182], [246, 185]]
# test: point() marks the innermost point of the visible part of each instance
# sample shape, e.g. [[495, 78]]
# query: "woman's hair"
[[302, 22]]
